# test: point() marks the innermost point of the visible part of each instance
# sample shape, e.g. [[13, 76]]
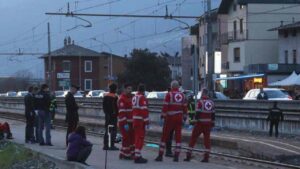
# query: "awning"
[[241, 77]]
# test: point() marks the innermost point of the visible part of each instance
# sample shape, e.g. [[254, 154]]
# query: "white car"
[[272, 93], [11, 94], [59, 93], [78, 94], [22, 93], [94, 93], [157, 95], [101, 95], [219, 96]]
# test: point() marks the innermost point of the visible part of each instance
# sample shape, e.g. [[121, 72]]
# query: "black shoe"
[[205, 160], [175, 159], [159, 158], [49, 144], [169, 154], [114, 148], [140, 160]]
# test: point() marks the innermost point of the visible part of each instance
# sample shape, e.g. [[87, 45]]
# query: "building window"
[[237, 54], [242, 6], [88, 84], [88, 66], [286, 56], [241, 26], [66, 66], [234, 7], [295, 56]]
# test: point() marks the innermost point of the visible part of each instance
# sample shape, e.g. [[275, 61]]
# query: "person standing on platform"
[[72, 117], [275, 115], [205, 117], [42, 103], [110, 109], [140, 122], [125, 123], [30, 116], [53, 107]]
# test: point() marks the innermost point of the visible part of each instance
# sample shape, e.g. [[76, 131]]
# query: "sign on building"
[[63, 75]]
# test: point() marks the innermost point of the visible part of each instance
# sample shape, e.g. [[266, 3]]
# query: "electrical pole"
[[195, 73], [210, 54], [49, 59]]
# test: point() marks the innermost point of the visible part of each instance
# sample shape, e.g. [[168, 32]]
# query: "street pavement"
[[97, 158]]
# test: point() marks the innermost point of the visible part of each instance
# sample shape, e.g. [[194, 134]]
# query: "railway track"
[[246, 160]]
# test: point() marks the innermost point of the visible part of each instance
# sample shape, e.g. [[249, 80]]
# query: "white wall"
[[262, 45], [290, 43]]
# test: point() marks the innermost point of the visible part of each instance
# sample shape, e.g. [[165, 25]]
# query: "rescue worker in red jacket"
[[140, 122], [174, 113], [125, 123], [205, 117]]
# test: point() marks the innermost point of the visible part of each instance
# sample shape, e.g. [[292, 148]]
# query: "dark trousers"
[[272, 124], [29, 129], [113, 130], [169, 143], [83, 155], [72, 125]]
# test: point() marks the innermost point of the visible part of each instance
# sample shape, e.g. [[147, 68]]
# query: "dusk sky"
[[24, 27]]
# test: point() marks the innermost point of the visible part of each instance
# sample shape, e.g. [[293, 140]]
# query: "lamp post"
[[110, 71]]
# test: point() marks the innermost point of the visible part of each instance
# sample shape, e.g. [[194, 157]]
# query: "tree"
[[148, 68]]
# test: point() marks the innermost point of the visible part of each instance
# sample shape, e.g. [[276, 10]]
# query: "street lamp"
[[109, 75]]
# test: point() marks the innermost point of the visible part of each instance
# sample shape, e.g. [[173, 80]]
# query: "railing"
[[234, 36], [232, 114]]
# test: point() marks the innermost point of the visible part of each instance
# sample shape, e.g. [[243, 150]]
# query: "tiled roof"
[[74, 50]]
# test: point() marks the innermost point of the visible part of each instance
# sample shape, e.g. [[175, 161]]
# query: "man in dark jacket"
[[30, 116], [110, 108], [42, 104], [72, 117], [275, 115], [262, 95]]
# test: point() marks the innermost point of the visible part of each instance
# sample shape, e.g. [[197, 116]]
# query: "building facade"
[[187, 61], [89, 69]]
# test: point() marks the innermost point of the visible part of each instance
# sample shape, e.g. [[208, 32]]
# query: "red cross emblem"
[[208, 105], [134, 101], [178, 98]]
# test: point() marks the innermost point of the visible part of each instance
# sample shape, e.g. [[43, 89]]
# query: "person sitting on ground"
[[5, 129], [79, 148]]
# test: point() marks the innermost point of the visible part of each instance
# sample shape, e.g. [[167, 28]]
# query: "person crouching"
[[79, 149]]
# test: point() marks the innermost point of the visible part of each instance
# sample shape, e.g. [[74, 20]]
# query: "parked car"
[[101, 95], [273, 94], [219, 96], [59, 93], [22, 93], [78, 94], [11, 94], [135, 92], [94, 93], [157, 95]]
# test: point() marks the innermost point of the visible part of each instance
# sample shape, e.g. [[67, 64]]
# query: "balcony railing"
[[234, 36]]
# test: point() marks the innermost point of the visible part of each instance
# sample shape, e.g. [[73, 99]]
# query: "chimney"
[[281, 23], [65, 42]]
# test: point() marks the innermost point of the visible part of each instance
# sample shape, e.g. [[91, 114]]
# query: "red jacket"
[[174, 104], [205, 111], [125, 109], [140, 108]]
